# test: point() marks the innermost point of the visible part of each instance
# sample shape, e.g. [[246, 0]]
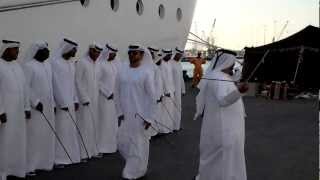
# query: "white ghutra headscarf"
[[33, 49], [5, 44], [65, 46]]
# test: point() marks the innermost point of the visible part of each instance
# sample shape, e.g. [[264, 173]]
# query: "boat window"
[[162, 11], [139, 7], [179, 14], [114, 5]]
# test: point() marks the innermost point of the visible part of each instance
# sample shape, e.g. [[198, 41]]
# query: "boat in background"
[[160, 23]]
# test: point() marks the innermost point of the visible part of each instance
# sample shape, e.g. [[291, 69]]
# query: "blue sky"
[[243, 23]]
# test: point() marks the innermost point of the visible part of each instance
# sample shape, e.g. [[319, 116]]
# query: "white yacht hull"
[[98, 22]]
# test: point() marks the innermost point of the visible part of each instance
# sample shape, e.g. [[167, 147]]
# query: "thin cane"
[[79, 132], [57, 137], [175, 105], [168, 112], [169, 142], [219, 80]]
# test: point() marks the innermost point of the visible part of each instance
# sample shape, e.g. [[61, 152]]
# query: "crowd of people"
[[56, 110]]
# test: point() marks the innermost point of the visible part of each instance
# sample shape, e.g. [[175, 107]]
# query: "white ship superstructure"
[[162, 23]]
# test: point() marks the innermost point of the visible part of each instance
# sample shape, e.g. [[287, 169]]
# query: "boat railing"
[[34, 4]]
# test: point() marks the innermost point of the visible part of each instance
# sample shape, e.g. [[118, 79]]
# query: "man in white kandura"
[[64, 91], [223, 130], [134, 87], [180, 88], [108, 120], [40, 138], [160, 112], [169, 89], [88, 91], [14, 110], [159, 89]]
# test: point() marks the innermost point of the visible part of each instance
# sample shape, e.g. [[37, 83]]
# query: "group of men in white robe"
[[56, 111]]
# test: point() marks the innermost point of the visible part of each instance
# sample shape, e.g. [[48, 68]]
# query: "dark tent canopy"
[[295, 59]]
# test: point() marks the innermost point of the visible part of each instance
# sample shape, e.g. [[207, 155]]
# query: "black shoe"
[[31, 174], [59, 166]]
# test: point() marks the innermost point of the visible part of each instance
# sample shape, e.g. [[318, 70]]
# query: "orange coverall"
[[198, 71]]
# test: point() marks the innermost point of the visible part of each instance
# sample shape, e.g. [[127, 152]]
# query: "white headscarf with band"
[[158, 57], [33, 49], [147, 58], [63, 48], [178, 51], [9, 44]]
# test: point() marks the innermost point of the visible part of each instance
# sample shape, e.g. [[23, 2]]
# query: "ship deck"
[[281, 143]]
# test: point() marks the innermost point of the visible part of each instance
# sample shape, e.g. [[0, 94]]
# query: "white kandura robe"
[[108, 120], [180, 89], [88, 91], [64, 92], [160, 112], [40, 138], [14, 102], [169, 88], [134, 87], [223, 132]]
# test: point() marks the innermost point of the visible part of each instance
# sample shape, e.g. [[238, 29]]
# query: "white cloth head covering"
[[65, 46], [112, 48], [136, 47], [5, 44], [166, 51], [147, 58], [33, 49], [104, 54], [153, 49], [218, 63], [158, 57], [93, 45], [178, 51]]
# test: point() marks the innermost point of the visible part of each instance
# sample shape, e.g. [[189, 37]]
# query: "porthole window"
[[114, 4], [139, 7], [162, 11], [85, 3], [179, 14]]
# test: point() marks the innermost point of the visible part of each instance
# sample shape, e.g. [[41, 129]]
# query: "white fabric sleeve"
[[58, 89], [149, 86], [226, 93], [172, 89], [104, 89], [29, 80], [80, 89], [26, 93], [117, 101]]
